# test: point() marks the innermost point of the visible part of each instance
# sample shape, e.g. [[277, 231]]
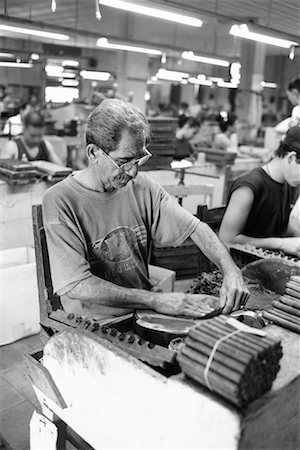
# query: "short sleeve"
[[171, 224], [66, 248], [250, 180]]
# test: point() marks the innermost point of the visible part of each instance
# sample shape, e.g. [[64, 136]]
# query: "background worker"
[[260, 202], [31, 145], [227, 138], [183, 148]]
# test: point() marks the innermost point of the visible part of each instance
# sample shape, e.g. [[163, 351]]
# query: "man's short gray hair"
[[106, 123]]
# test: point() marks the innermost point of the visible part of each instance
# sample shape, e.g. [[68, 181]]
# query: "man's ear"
[[291, 157], [92, 153]]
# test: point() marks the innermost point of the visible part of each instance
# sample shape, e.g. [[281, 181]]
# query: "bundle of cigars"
[[238, 366], [286, 311]]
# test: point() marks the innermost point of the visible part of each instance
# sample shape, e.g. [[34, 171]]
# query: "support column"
[[132, 76], [249, 105]]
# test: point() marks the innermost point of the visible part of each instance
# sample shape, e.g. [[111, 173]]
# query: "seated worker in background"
[[31, 146], [293, 94], [260, 202], [14, 126], [100, 222], [227, 139], [183, 148]]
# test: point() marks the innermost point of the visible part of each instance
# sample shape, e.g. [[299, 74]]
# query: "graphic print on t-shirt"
[[115, 252]]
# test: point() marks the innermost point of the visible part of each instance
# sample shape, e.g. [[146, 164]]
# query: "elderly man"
[[99, 224]]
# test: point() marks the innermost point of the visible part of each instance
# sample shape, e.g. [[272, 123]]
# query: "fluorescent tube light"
[[268, 84], [215, 79], [227, 84], [93, 75], [153, 12], [68, 75], [201, 82], [32, 32], [171, 75], [204, 59], [70, 63], [70, 83], [35, 56], [103, 43], [244, 32], [6, 55], [54, 71], [16, 64]]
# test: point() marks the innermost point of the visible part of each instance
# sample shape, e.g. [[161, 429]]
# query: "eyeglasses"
[[126, 167]]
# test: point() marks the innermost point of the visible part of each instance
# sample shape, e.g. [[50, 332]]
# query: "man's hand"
[[180, 304], [291, 246], [234, 293]]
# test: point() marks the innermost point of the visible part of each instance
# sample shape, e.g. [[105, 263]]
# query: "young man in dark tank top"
[[31, 145], [260, 202]]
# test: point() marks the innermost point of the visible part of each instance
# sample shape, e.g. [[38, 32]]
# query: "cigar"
[[288, 300], [280, 321], [292, 293], [286, 316], [216, 381], [218, 356], [230, 346], [225, 347], [286, 308], [253, 341], [215, 366], [295, 279]]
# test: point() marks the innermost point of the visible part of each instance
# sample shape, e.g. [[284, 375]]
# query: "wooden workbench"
[[126, 404]]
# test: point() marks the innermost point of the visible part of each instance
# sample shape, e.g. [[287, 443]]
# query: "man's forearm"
[[95, 291], [212, 247], [271, 243]]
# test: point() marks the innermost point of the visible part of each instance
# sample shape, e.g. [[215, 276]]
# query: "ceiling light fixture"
[[204, 59], [171, 75], [16, 64], [70, 83], [7, 55], [227, 84], [201, 82], [243, 31], [153, 12], [97, 10], [93, 75], [103, 43], [33, 32], [70, 63], [35, 56], [268, 84], [292, 52], [215, 79]]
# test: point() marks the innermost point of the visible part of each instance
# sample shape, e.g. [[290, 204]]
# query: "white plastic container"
[[19, 305]]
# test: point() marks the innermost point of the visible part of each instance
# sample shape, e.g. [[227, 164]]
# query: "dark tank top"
[[42, 154], [270, 211]]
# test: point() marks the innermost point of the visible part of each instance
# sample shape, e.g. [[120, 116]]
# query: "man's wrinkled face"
[[110, 170], [33, 136], [292, 171]]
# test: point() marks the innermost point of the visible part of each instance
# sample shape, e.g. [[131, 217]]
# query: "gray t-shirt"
[[108, 234]]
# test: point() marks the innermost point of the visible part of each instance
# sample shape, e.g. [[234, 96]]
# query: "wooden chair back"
[[48, 300]]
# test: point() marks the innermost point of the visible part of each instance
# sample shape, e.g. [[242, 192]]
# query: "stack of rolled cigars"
[[286, 311], [243, 368]]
